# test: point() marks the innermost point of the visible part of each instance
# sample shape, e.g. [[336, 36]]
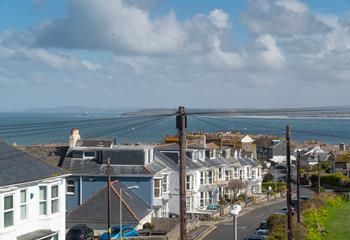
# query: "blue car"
[[128, 231]]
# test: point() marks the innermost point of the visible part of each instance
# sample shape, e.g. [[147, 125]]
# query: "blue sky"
[[138, 53]]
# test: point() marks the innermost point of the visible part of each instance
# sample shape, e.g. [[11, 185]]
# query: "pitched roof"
[[17, 166], [247, 139], [94, 211]]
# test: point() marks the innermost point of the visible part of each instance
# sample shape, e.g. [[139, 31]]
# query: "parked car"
[[254, 238], [305, 198], [262, 233], [263, 225], [128, 231], [80, 232], [285, 210]]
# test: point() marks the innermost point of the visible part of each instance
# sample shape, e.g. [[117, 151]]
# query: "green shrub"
[[149, 226], [277, 224], [268, 178], [314, 220]]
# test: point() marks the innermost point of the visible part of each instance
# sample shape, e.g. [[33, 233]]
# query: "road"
[[249, 222]]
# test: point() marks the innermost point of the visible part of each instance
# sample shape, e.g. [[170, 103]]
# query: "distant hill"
[[78, 109], [319, 112]]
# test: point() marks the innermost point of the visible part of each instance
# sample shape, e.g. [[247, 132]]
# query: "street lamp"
[[235, 210], [121, 208]]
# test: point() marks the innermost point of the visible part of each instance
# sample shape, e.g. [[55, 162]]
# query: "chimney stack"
[[74, 137]]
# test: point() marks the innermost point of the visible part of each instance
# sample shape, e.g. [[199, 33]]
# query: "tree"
[[235, 185]]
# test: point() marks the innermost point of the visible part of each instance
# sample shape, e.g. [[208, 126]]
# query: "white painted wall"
[[55, 222]]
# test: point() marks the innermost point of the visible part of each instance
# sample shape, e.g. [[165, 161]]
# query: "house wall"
[[91, 185], [55, 222]]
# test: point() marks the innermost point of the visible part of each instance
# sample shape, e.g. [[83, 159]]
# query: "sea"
[[44, 128]]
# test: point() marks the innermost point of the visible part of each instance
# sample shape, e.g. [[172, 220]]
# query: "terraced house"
[[209, 168]]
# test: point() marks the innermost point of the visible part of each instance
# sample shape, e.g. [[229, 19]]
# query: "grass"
[[337, 224]]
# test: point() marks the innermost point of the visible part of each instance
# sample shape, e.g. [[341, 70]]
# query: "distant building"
[[32, 197]]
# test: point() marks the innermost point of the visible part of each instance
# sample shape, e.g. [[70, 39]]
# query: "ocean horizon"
[[43, 128]]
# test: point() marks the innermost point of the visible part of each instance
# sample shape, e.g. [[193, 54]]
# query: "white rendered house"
[[32, 197]]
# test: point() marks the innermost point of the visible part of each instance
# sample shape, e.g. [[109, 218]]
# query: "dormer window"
[[202, 155], [195, 155], [212, 153], [148, 156]]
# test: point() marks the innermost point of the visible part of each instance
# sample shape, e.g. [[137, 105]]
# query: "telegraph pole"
[[298, 185], [318, 174], [109, 197], [289, 190], [181, 124]]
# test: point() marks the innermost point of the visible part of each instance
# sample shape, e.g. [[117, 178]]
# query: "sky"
[[167, 53]]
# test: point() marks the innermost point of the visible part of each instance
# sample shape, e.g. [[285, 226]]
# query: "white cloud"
[[293, 5], [271, 55], [125, 29]]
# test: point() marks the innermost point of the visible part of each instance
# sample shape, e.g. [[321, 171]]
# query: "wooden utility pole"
[[289, 190], [109, 197], [298, 185], [181, 124], [318, 174]]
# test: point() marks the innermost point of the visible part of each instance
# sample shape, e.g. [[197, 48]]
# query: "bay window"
[[157, 191]]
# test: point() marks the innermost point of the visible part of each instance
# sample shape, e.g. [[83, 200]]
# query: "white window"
[[227, 175], [157, 191], [221, 173], [89, 155], [212, 154], [54, 199], [235, 173], [248, 172], [70, 187], [202, 155], [210, 198], [189, 204], [203, 178], [165, 183], [202, 199], [258, 172], [253, 174], [210, 177], [195, 155], [149, 155], [42, 200], [8, 211], [23, 204], [241, 174], [189, 182]]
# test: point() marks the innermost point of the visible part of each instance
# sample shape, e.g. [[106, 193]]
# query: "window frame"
[[203, 177], [54, 199], [23, 204], [159, 188], [165, 184], [210, 176], [68, 185], [189, 182], [89, 157], [10, 210], [45, 201]]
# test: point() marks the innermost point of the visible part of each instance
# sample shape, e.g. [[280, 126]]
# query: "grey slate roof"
[[17, 166], [94, 211], [38, 234], [93, 168]]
